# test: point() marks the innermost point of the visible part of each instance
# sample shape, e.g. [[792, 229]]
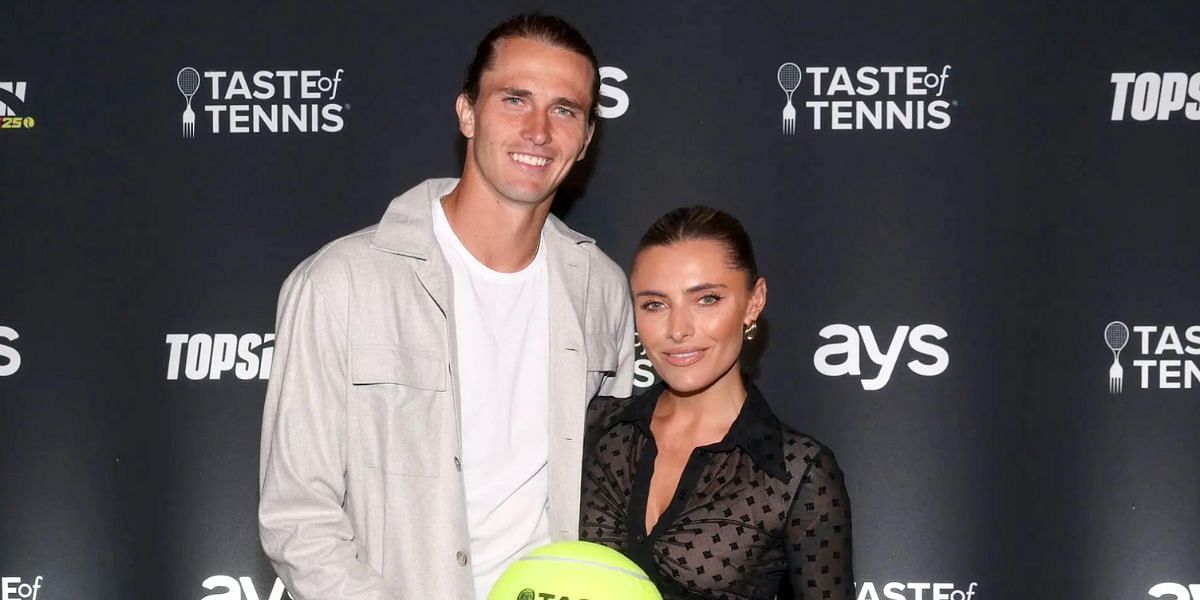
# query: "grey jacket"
[[361, 490]]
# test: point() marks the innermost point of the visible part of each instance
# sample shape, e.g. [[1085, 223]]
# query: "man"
[[424, 421]]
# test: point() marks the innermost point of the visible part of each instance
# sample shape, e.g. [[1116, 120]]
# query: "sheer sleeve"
[[820, 561]]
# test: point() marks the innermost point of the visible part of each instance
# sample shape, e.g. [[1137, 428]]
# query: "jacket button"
[[462, 558], [457, 463]]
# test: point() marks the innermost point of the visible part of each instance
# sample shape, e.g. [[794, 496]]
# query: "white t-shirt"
[[502, 326]]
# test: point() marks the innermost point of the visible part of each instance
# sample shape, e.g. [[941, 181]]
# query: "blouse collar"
[[756, 430]]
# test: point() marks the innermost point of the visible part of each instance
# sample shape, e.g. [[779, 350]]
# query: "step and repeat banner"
[[979, 226]]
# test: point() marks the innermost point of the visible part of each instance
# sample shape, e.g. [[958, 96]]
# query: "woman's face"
[[691, 306]]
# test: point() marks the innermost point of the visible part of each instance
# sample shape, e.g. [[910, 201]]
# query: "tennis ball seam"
[[589, 563]]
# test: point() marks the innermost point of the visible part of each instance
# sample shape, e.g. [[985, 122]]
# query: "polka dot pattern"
[[762, 513]]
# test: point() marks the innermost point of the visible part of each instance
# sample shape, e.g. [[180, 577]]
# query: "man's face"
[[529, 125]]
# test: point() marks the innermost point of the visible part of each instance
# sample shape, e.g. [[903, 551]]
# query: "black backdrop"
[[1019, 226]]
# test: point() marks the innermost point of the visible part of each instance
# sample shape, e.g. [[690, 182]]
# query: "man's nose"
[[537, 128]]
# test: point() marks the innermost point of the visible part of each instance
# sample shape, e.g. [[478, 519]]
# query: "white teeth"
[[533, 161]]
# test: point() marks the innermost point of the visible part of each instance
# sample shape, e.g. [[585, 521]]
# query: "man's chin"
[[532, 195]]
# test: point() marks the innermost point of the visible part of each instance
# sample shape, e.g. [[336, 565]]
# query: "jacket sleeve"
[[620, 385], [303, 528]]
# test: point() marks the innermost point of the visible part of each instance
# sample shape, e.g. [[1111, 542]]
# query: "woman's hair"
[[696, 223]]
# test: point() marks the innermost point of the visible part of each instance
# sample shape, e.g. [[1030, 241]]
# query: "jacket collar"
[[756, 430], [407, 225]]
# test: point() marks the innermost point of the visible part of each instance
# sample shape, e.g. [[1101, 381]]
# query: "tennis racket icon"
[[789, 79], [1116, 335], [188, 81]]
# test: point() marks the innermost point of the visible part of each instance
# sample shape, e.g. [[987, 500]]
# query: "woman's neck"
[[703, 413]]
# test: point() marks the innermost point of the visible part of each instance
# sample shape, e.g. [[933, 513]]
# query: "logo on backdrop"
[[1175, 591], [1155, 96], [617, 99], [14, 588], [880, 98], [13, 114], [10, 359], [843, 355], [896, 590], [241, 588], [1116, 335], [203, 356], [643, 371], [1164, 357], [259, 102]]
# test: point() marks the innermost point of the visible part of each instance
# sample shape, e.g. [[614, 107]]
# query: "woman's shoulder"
[[804, 454], [603, 411]]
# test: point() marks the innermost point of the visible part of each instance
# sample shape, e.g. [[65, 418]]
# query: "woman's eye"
[[652, 305], [710, 299]]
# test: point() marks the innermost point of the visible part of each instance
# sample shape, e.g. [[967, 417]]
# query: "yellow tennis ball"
[[573, 571]]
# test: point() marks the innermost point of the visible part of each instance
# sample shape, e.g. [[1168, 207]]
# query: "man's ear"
[[466, 115], [587, 139]]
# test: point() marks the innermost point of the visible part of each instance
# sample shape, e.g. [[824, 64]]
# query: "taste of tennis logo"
[[897, 590], [868, 97], [1169, 357], [248, 102], [14, 588]]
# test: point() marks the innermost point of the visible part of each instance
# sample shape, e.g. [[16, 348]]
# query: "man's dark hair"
[[700, 223], [546, 29]]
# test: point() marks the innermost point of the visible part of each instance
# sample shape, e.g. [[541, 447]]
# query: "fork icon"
[[189, 121], [1116, 377], [1116, 335], [188, 81], [789, 79]]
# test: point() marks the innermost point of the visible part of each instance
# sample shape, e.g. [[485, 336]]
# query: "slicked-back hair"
[[702, 223], [546, 29]]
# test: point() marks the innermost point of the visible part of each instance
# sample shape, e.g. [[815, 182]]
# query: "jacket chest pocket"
[[398, 409], [602, 360]]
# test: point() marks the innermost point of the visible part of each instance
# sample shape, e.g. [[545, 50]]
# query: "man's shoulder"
[[605, 268], [405, 228], [341, 252], [602, 268], [331, 266]]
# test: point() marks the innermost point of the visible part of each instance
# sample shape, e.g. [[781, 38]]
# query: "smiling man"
[[424, 421]]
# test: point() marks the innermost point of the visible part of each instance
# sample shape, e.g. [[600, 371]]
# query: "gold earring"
[[749, 331]]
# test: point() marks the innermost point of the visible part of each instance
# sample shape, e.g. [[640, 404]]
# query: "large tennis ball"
[[573, 571]]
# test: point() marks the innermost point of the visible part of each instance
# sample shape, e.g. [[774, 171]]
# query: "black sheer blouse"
[[762, 513]]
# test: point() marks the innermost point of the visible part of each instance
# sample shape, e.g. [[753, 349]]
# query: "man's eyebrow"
[[567, 102], [524, 93]]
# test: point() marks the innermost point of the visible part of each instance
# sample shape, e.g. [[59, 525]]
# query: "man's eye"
[[512, 100], [564, 111]]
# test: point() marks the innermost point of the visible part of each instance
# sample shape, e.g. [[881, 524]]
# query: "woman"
[[696, 480]]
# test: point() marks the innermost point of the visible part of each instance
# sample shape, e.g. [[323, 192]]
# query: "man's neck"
[[501, 234]]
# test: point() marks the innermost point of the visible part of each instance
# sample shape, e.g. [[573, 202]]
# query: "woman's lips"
[[683, 357]]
